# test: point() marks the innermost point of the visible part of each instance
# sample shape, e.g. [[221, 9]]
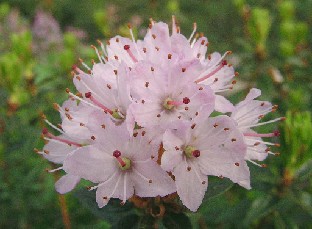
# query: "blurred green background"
[[271, 42]]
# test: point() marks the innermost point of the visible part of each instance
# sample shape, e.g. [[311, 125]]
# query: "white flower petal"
[[66, 183], [191, 188], [90, 163], [161, 184]]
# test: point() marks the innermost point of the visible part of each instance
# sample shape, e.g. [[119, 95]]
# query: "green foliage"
[[259, 26], [297, 140]]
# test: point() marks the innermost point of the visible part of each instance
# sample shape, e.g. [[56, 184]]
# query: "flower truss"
[[149, 96]]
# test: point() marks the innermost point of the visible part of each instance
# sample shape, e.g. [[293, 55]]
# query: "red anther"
[[116, 153], [186, 100], [74, 67], [196, 153], [88, 94], [45, 131], [126, 47], [224, 62], [276, 133], [236, 163]]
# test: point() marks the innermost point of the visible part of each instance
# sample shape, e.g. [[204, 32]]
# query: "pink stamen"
[[223, 63], [78, 70], [269, 135], [117, 154], [46, 133], [127, 48], [89, 96]]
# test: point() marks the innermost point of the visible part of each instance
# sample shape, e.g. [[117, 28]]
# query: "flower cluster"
[[141, 122]]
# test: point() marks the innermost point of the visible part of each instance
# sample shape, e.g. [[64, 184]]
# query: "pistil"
[[191, 151], [124, 163], [170, 103]]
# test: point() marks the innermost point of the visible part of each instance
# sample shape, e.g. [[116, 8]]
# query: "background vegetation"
[[41, 39]]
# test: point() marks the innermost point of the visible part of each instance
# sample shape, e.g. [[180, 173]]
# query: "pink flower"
[[212, 146], [247, 115], [106, 89], [167, 95], [74, 134], [122, 165], [214, 71], [145, 94]]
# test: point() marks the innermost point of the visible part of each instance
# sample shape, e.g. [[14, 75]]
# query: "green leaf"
[[304, 172], [259, 208], [128, 221], [216, 187], [112, 212], [177, 221], [146, 222]]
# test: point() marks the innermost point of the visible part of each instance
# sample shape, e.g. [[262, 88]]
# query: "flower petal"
[[118, 186], [161, 184], [90, 163], [66, 183], [223, 105], [191, 187]]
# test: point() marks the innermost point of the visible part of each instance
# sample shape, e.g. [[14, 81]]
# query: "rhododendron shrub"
[[149, 119]]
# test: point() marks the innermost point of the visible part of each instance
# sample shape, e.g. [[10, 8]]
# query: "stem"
[[63, 206]]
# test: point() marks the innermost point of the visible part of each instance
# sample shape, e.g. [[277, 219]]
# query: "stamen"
[[53, 126], [260, 165], [264, 123], [133, 41], [247, 113], [54, 170], [194, 31], [46, 133], [114, 190], [78, 70], [269, 135], [125, 189], [102, 47], [89, 96], [224, 89], [103, 183], [127, 48], [97, 53], [142, 176], [196, 172], [84, 64], [174, 25], [84, 101], [223, 63]]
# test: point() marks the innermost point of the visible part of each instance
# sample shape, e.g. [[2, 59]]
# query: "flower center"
[[169, 103], [191, 151], [123, 162]]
